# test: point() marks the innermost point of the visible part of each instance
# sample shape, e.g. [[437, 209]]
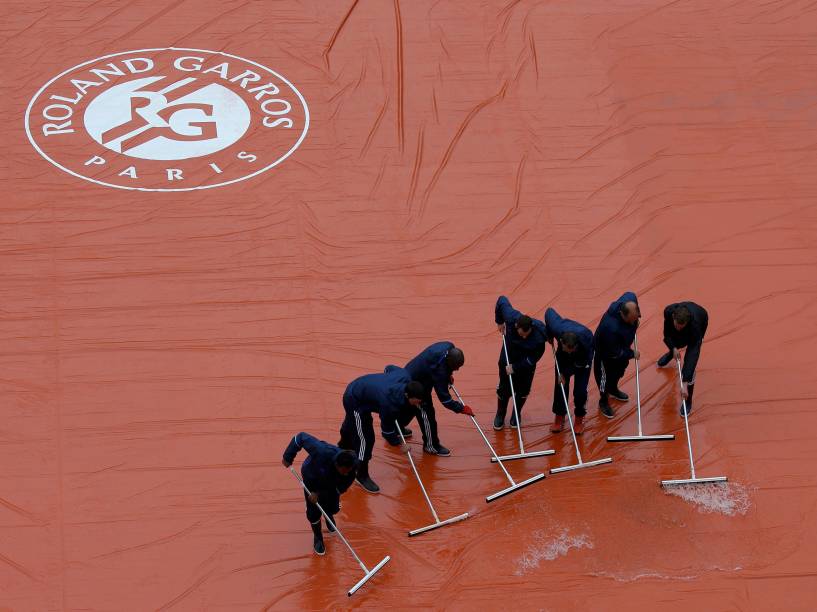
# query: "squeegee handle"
[[686, 418], [479, 429], [417, 474], [329, 520], [637, 387], [567, 407], [513, 396]]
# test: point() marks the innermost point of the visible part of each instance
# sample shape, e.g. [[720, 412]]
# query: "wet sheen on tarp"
[[158, 349]]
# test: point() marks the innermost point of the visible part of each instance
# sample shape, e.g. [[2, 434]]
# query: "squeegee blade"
[[455, 519], [513, 488], [368, 575], [579, 466], [523, 455], [685, 481], [640, 438]]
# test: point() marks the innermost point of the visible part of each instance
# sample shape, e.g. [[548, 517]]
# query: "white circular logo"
[[167, 119]]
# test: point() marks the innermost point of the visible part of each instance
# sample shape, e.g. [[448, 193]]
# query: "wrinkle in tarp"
[[159, 349]]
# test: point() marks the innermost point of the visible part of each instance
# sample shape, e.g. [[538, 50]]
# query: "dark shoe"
[[392, 439], [439, 450], [318, 545], [317, 542], [512, 421], [499, 421], [688, 407], [618, 394], [406, 432], [578, 426], [558, 423], [367, 483], [520, 403], [605, 409], [664, 360], [501, 411], [364, 480]]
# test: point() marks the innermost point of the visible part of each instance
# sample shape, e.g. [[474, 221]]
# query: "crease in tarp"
[[159, 350]]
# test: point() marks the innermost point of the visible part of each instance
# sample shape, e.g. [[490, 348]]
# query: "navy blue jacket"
[[582, 357], [523, 353], [431, 369], [614, 337], [383, 393], [691, 336], [319, 472]]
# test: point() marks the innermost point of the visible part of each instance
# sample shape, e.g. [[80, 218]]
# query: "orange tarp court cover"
[[215, 215]]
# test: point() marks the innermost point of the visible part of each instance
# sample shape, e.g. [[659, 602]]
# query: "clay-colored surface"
[[158, 350]]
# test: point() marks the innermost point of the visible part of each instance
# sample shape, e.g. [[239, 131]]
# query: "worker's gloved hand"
[[286, 463], [467, 410], [636, 355], [509, 369], [501, 328], [313, 498], [676, 353], [684, 391]]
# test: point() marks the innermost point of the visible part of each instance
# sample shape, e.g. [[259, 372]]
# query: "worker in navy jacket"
[[434, 368], [685, 325], [327, 472], [526, 340], [392, 395], [574, 355], [613, 344]]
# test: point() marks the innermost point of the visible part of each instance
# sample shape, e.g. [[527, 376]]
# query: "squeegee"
[[515, 486], [580, 464], [521, 454], [437, 521], [694, 479], [368, 572], [640, 437]]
